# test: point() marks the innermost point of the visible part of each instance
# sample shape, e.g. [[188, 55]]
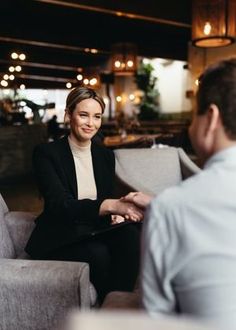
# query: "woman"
[[75, 177]]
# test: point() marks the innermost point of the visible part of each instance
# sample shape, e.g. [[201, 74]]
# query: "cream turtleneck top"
[[86, 185]]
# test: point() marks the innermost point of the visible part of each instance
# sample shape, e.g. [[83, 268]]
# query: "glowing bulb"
[[207, 28], [18, 68], [11, 77], [93, 81], [86, 81], [118, 99], [79, 77], [14, 56], [11, 69], [131, 97], [22, 86], [22, 57], [5, 77], [117, 64], [68, 85], [130, 64], [4, 83]]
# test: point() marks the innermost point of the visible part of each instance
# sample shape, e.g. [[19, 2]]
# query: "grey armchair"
[[36, 295], [150, 171]]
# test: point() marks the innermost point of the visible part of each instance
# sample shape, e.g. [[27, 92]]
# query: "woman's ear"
[[66, 116]]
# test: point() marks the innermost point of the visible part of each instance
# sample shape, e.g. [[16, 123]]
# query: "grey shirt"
[[189, 246]]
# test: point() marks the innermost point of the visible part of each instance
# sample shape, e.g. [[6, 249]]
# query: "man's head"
[[214, 124]]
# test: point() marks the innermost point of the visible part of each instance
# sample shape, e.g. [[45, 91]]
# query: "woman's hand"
[[124, 208], [140, 199], [115, 219]]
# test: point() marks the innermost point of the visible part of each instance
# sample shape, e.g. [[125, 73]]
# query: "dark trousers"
[[113, 258]]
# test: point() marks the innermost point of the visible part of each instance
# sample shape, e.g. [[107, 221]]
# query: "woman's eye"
[[83, 115]]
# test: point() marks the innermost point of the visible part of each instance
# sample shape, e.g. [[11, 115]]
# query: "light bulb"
[[207, 28]]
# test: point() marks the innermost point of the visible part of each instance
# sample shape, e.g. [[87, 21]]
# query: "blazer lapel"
[[98, 166], [68, 164]]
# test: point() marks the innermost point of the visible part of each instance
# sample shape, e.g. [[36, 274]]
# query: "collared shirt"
[[189, 246]]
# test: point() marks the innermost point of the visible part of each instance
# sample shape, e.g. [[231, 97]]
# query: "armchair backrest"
[[20, 225], [15, 229], [6, 245], [151, 170], [3, 205]]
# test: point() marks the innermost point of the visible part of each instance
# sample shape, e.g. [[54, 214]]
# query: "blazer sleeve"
[[61, 204]]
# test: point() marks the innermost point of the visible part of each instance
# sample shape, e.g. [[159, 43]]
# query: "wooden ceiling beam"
[[116, 13]]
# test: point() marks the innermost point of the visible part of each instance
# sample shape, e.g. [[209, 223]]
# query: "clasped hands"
[[131, 207]]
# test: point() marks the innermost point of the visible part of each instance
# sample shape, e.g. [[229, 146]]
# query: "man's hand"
[[127, 209], [140, 199]]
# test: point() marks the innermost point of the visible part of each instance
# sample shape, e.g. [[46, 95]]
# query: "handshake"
[[131, 207]]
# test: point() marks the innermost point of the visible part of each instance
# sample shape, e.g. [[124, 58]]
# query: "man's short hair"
[[217, 85]]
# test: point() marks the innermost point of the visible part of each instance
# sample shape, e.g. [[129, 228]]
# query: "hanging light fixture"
[[213, 23], [124, 58]]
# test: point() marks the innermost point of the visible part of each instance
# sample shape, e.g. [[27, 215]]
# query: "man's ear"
[[213, 119]]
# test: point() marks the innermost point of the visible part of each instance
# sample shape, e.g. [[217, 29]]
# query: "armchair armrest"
[[38, 294], [188, 168]]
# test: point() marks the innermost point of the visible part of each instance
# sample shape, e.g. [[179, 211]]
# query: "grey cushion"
[[148, 170], [6, 246]]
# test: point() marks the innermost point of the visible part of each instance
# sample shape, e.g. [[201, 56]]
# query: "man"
[[189, 234]]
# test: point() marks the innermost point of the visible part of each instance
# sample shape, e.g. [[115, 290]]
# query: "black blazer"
[[65, 219]]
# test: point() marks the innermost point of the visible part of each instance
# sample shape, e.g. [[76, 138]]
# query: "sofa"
[[38, 294]]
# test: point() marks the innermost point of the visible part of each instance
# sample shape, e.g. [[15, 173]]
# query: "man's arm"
[[156, 274]]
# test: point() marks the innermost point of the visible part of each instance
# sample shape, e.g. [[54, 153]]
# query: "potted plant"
[[149, 101]]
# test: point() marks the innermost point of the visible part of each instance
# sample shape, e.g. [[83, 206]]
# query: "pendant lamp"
[[213, 23]]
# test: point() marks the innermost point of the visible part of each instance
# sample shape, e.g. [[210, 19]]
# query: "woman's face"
[[85, 121]]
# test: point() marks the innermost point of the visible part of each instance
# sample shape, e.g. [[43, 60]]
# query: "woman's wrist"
[[107, 207]]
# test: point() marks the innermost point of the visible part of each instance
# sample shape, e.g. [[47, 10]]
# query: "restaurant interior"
[[143, 57]]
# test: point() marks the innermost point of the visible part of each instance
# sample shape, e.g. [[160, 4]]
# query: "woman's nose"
[[90, 121]]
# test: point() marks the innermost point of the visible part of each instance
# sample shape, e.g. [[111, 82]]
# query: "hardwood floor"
[[21, 194]]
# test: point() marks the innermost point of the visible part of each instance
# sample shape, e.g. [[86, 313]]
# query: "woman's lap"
[[113, 258]]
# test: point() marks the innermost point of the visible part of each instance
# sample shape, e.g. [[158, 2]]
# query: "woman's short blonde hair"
[[79, 94]]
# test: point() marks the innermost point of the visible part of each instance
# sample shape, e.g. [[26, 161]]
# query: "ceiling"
[[57, 36]]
